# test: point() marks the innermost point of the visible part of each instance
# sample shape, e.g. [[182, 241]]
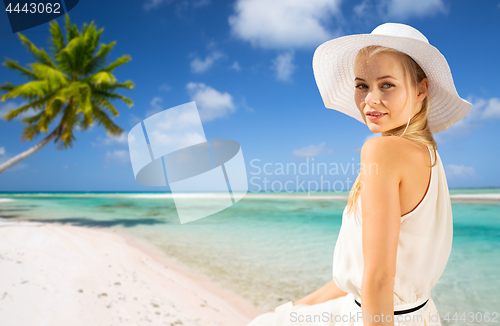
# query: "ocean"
[[271, 248]]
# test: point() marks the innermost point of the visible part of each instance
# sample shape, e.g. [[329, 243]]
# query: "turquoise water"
[[271, 250]]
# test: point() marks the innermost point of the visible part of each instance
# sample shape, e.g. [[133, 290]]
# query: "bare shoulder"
[[385, 148], [388, 154]]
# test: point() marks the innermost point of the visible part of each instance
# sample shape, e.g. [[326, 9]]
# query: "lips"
[[375, 113]]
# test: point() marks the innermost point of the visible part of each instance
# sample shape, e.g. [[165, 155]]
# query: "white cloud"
[[311, 150], [133, 119], [179, 5], [200, 3], [492, 110], [403, 9], [110, 141], [117, 156], [199, 66], [281, 24], [2, 150], [155, 106], [211, 103], [165, 87], [235, 66], [246, 106], [482, 110], [399, 9], [180, 140], [153, 4], [12, 106], [283, 66], [362, 8], [459, 171], [181, 129]]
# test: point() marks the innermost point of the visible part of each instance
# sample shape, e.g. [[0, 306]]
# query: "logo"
[[205, 177]]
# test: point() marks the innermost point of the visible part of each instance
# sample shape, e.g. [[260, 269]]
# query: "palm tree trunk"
[[31, 151]]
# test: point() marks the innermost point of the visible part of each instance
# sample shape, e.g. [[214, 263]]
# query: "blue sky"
[[249, 64]]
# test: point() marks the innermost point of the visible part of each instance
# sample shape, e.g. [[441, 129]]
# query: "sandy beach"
[[53, 274]]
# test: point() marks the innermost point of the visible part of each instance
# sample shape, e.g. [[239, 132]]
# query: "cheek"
[[398, 98], [359, 98]]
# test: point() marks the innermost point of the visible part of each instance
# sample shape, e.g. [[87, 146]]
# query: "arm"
[[327, 292], [380, 224]]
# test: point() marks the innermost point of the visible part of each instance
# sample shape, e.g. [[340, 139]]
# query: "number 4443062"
[[473, 317], [40, 8]]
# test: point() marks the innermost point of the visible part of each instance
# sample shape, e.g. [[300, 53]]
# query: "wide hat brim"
[[333, 63]]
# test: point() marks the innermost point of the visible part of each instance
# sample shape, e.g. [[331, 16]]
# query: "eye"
[[360, 86], [387, 84]]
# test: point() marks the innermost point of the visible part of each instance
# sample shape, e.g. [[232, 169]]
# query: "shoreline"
[[291, 196], [99, 276]]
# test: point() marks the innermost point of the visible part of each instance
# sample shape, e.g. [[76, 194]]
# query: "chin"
[[375, 128]]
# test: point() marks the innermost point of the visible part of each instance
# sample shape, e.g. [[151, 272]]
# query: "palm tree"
[[74, 82]]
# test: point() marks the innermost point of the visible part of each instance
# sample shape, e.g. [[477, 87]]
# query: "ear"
[[423, 88]]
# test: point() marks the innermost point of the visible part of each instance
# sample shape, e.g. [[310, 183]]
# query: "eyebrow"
[[357, 78]]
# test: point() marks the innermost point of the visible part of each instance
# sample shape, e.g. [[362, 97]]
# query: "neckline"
[[428, 188]]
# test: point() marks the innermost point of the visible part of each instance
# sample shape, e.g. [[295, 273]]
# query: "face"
[[380, 88]]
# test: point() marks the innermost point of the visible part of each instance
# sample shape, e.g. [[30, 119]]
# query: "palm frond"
[[48, 117], [57, 37], [128, 84], [113, 96], [82, 94], [40, 55], [85, 122], [75, 51], [30, 132], [32, 90], [102, 102], [65, 136], [33, 119], [102, 119], [36, 105], [71, 30], [14, 65], [56, 78], [118, 62], [6, 87], [102, 77], [90, 39], [98, 61]]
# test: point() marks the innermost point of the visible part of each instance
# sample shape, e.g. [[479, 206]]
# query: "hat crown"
[[399, 30]]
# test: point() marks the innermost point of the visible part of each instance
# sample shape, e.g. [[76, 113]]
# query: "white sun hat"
[[333, 64]]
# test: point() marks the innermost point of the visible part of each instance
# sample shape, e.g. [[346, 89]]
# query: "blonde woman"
[[397, 227]]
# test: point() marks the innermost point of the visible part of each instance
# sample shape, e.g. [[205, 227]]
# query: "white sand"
[[65, 275]]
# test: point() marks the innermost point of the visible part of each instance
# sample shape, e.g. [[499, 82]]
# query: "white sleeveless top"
[[423, 249]]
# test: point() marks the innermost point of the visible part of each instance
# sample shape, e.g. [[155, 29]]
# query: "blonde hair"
[[418, 128]]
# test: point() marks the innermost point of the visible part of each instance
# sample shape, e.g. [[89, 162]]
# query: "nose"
[[372, 98]]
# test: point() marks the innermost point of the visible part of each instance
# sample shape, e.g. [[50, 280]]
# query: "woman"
[[397, 227]]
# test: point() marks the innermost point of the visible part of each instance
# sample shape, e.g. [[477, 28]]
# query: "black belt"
[[401, 312]]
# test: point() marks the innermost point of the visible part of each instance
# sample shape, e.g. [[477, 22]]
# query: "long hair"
[[418, 128]]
